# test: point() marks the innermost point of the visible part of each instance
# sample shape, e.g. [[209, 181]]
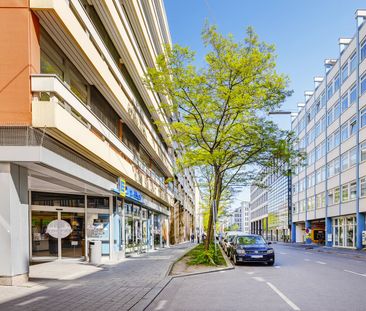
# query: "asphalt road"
[[299, 280]]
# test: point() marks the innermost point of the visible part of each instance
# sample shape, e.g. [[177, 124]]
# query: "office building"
[[329, 191]]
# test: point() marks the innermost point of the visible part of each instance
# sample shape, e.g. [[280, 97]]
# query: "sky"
[[304, 32]]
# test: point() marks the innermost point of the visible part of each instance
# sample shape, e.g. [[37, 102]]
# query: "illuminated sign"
[[120, 187], [133, 194]]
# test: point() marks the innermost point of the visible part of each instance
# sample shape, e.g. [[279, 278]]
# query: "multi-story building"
[[329, 192], [240, 217], [270, 205], [81, 156]]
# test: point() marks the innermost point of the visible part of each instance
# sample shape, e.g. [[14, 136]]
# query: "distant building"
[[270, 207], [241, 217]]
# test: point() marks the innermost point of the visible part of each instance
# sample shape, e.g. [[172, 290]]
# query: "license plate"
[[257, 256]]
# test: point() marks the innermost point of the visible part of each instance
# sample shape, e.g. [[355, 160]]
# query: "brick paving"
[[129, 285]]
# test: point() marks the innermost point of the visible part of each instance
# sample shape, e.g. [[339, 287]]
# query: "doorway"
[[46, 244]]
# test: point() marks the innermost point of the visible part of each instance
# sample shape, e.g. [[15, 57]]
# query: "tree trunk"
[[216, 196]]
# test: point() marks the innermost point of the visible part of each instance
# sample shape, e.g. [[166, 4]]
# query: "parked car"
[[251, 248], [227, 241]]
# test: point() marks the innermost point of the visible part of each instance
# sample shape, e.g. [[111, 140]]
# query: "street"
[[300, 280]]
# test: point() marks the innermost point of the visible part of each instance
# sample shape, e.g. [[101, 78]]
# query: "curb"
[[156, 290]]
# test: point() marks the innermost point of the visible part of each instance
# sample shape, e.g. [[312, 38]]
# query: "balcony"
[[66, 118], [74, 32]]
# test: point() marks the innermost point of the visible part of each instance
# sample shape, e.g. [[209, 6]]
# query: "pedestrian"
[[198, 239], [192, 238]]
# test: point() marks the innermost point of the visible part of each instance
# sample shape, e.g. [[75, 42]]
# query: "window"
[[344, 161], [363, 118], [337, 83], [352, 157], [344, 72], [330, 116], [322, 99], [363, 187], [344, 103], [331, 196], [330, 169], [352, 95], [337, 138], [363, 151], [311, 203], [317, 129], [330, 142], [344, 132], [363, 84], [337, 166], [353, 190], [330, 90], [352, 126], [345, 193], [337, 195], [336, 111], [363, 50], [353, 63]]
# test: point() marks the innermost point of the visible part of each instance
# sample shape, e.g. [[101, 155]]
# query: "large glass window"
[[344, 132], [363, 151], [344, 231], [353, 126], [353, 190], [363, 50], [344, 72], [337, 83], [336, 195], [363, 118], [344, 102], [363, 187], [363, 84], [344, 161], [352, 95], [345, 193], [353, 63], [352, 157]]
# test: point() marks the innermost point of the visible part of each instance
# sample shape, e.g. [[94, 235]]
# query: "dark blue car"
[[251, 248]]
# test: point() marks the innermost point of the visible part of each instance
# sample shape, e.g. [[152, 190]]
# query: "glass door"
[[43, 244], [74, 244]]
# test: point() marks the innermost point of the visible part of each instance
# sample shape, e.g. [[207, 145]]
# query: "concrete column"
[[160, 229], [14, 224], [293, 232], [308, 226], [123, 227], [152, 231], [328, 230]]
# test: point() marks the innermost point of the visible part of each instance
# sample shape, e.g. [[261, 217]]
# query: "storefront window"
[[344, 231], [98, 202], [57, 199]]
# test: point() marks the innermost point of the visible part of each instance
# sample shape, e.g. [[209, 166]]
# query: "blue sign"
[[133, 194], [120, 187]]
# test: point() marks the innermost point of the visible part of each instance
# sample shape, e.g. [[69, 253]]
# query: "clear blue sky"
[[305, 32]]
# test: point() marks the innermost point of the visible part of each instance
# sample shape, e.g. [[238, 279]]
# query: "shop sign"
[[120, 187], [133, 194], [59, 229]]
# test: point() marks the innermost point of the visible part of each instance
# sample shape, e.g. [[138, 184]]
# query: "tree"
[[222, 108]]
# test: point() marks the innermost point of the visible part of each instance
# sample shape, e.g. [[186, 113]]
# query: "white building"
[[241, 217]]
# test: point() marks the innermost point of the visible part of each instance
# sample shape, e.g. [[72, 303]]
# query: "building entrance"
[[57, 234]]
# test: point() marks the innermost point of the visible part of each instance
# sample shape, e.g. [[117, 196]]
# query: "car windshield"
[[251, 240]]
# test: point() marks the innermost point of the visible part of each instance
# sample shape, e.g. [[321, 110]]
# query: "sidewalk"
[[72, 285], [345, 252]]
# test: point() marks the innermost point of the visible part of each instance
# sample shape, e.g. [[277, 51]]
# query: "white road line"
[[321, 262], [283, 253], [360, 274], [258, 278], [283, 296], [251, 272], [161, 304], [30, 301], [306, 259], [277, 267]]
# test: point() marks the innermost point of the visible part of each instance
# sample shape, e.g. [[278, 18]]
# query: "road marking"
[[277, 267], [321, 262], [258, 278], [283, 253], [161, 305], [360, 274], [31, 300], [307, 259], [250, 272], [283, 296]]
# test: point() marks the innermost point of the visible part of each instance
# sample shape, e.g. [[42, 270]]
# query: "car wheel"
[[270, 263]]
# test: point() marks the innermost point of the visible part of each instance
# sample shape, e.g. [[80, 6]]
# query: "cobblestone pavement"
[[129, 285]]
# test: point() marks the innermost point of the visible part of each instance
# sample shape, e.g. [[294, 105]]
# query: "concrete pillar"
[[152, 231], [328, 231], [293, 233], [360, 219], [161, 231], [14, 224]]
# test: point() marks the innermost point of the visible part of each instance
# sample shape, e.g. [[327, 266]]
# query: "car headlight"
[[270, 251], [240, 251]]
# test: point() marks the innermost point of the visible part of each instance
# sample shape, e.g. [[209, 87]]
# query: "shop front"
[[345, 231], [140, 222], [62, 223]]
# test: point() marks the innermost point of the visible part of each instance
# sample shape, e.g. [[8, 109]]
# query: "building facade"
[[329, 191], [241, 217], [80, 155], [270, 206]]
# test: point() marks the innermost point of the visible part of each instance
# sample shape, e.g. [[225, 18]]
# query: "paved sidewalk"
[[344, 252], [129, 285]]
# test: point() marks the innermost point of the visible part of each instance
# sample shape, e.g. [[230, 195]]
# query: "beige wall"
[[19, 57]]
